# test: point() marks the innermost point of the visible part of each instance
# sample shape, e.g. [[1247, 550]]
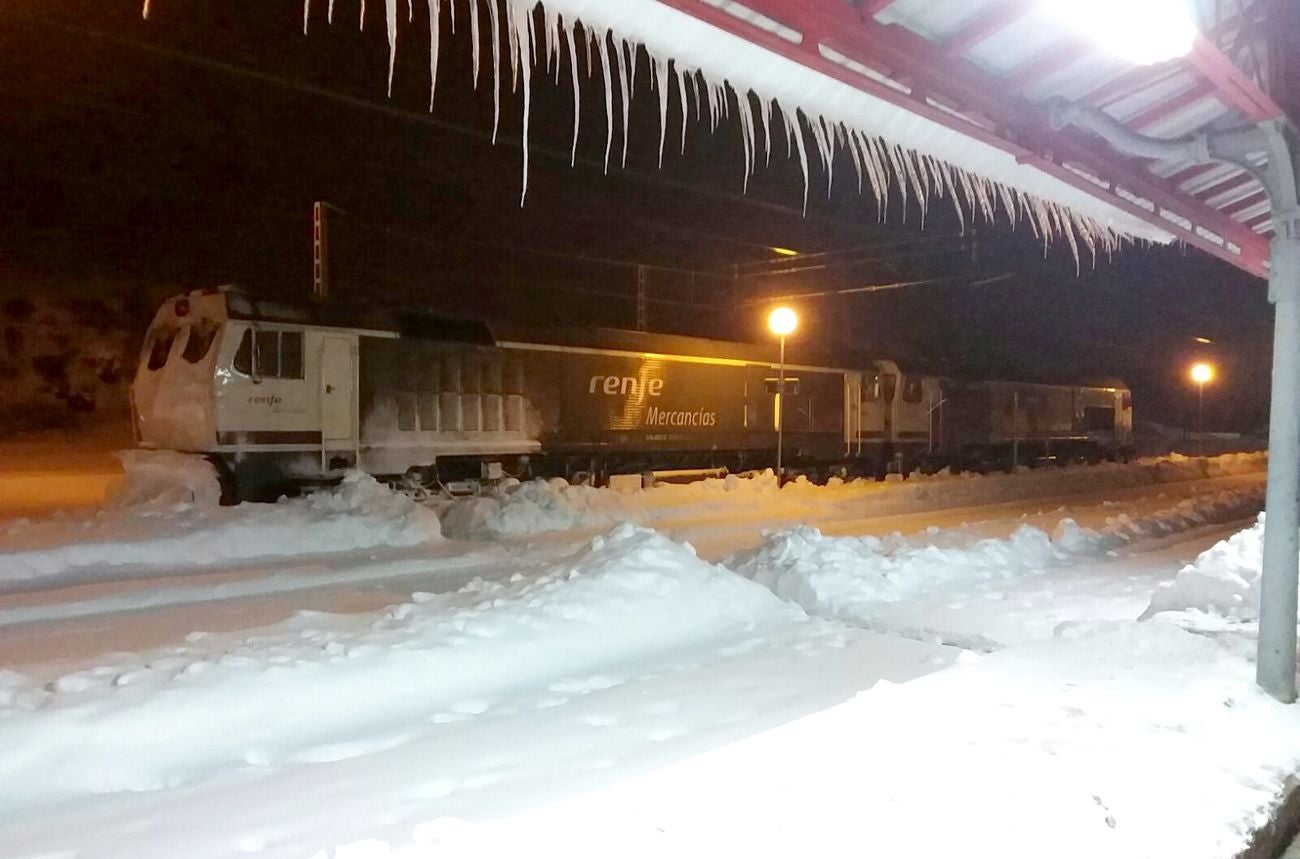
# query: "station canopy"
[[934, 100]]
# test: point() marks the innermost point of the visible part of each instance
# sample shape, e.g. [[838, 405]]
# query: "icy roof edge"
[[887, 143]]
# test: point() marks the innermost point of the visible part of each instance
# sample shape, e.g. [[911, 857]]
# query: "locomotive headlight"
[[782, 321]]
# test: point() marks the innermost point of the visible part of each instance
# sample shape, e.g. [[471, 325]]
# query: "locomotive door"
[[337, 389]]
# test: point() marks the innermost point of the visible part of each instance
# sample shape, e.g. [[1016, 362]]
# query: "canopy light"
[[785, 252], [782, 321], [1202, 339], [1141, 31]]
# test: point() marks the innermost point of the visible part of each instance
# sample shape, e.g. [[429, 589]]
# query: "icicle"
[[659, 76], [525, 40], [794, 130], [306, 15], [746, 137], [681, 97], [473, 36], [512, 46], [144, 13], [695, 92], [602, 48], [765, 114], [577, 92], [494, 20], [452, 8], [435, 19], [624, 83], [629, 55], [362, 23], [857, 161], [329, 13], [410, 11], [823, 141], [553, 42], [390, 8]]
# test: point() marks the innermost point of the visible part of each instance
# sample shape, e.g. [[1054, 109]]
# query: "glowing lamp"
[[782, 321], [1202, 373], [1140, 31]]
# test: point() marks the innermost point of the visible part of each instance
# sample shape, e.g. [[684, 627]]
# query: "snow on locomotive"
[[279, 395]]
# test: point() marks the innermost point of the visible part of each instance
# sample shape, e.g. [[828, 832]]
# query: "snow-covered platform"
[[1051, 663]]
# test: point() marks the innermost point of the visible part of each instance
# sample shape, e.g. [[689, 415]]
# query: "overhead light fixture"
[[1141, 31], [1206, 340], [784, 252]]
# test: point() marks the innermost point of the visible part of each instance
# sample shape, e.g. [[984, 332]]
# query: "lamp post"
[[781, 321], [1201, 373]]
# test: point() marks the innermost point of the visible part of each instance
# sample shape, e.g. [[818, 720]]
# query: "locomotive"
[[279, 395]]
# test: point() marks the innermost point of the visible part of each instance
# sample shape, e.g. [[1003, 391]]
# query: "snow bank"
[[1223, 580], [143, 722], [846, 577], [165, 478], [540, 506], [1120, 740], [360, 513], [525, 508]]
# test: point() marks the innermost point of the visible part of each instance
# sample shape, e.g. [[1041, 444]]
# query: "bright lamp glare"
[[782, 321], [1202, 373], [1140, 31]]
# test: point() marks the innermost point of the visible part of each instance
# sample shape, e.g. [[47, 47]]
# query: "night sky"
[[187, 150]]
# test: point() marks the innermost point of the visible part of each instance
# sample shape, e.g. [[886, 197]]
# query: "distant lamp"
[[1202, 373], [784, 252], [782, 321], [1140, 31]]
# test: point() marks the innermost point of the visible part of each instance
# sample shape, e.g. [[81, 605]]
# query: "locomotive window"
[[244, 354], [888, 387], [291, 355], [200, 341], [161, 348], [912, 389], [266, 353]]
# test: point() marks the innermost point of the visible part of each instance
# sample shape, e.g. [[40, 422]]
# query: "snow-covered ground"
[[953, 666]]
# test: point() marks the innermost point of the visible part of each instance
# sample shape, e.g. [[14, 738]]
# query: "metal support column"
[[1275, 665]]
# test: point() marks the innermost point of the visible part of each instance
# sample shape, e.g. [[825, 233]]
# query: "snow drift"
[[847, 577], [160, 529], [1224, 580]]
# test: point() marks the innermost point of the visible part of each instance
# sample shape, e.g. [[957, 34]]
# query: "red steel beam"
[[1187, 174], [1237, 89], [985, 26], [1236, 182], [1163, 110], [1022, 130]]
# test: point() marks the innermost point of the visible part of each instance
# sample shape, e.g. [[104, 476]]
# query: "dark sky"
[[188, 150]]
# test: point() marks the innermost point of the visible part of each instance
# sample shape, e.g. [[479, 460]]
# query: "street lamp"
[[781, 321], [1201, 373]]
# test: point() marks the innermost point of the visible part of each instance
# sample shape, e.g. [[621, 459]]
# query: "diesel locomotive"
[[279, 395]]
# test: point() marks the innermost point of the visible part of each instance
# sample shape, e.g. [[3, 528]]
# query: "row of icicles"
[[878, 162]]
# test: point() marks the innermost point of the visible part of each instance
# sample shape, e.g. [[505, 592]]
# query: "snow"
[[152, 526], [537, 507], [1224, 580], [848, 577], [979, 686], [1122, 740]]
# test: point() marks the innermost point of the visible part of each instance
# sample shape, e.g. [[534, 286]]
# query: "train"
[[282, 395]]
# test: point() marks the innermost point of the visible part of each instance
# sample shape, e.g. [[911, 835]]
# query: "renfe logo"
[[625, 385]]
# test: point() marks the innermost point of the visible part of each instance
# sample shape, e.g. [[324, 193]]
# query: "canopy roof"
[[930, 98]]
